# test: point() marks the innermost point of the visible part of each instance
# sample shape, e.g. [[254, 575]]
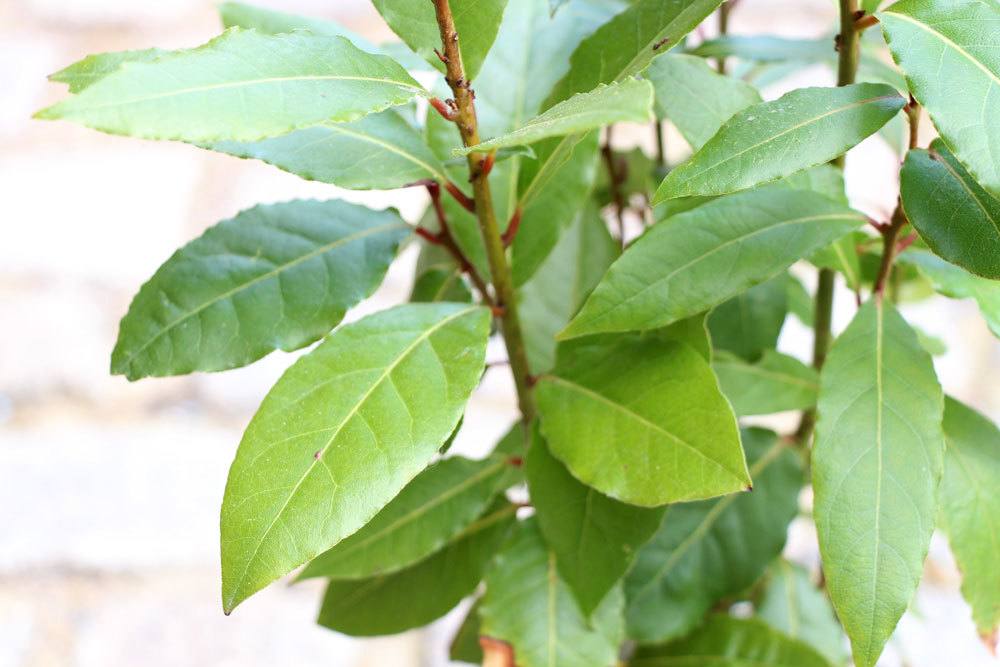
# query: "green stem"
[[496, 252], [724, 9]]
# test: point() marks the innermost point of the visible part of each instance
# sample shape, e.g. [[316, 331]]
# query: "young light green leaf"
[[958, 283], [595, 538], [642, 420], [958, 219], [766, 141], [557, 290], [793, 606], [628, 101], [311, 468], [698, 259], [93, 68], [438, 504], [707, 550], [273, 277], [750, 322], [378, 152], [696, 98], [423, 592], [876, 465], [476, 22], [970, 507], [775, 383], [731, 642], [958, 37], [241, 86], [528, 605], [272, 22], [764, 48]]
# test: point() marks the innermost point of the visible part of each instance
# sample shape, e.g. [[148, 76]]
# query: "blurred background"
[[109, 491]]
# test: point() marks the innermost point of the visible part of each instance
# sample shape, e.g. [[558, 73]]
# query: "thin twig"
[[445, 239], [615, 179]]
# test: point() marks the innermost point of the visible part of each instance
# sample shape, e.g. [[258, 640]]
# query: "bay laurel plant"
[[634, 359]]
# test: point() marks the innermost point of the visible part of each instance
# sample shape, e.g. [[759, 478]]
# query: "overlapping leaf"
[[93, 68], [341, 433], [958, 283], [750, 322], [774, 383], [876, 465], [273, 277]]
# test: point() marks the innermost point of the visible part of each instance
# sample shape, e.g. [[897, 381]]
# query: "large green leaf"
[[970, 507], [764, 48], [529, 606], [731, 642], [957, 37], [557, 290], [93, 68], [595, 538], [767, 141], [707, 550], [312, 468], [775, 383], [641, 419], [958, 283], [696, 98], [476, 22], [876, 466], [750, 322], [628, 101], [381, 151], [793, 605], [241, 86], [273, 277], [426, 515], [423, 592], [700, 258], [957, 218]]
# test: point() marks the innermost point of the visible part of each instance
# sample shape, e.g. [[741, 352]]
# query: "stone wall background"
[[109, 491]]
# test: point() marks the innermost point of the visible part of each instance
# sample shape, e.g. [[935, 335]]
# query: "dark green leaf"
[[957, 218], [731, 642], [273, 277], [775, 383], [642, 420], [970, 507], [707, 550], [749, 323], [529, 606], [698, 259], [800, 301], [465, 645], [595, 538], [876, 466], [958, 283], [437, 505], [312, 469], [767, 141], [241, 86], [413, 597]]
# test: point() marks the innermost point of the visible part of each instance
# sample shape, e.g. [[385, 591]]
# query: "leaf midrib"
[[337, 127]]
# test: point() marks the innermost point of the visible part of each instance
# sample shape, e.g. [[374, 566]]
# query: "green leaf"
[[698, 259], [628, 101], [595, 538], [793, 606], [766, 141], [876, 466], [970, 507], [529, 606], [476, 22], [378, 152], [957, 218], [711, 549], [842, 256], [273, 277], [93, 68], [414, 597], [749, 323], [731, 642], [764, 48], [696, 98], [642, 420], [800, 302], [438, 284], [311, 468], [958, 37], [557, 290], [465, 645], [958, 283], [241, 86], [438, 504], [272, 22], [775, 383]]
